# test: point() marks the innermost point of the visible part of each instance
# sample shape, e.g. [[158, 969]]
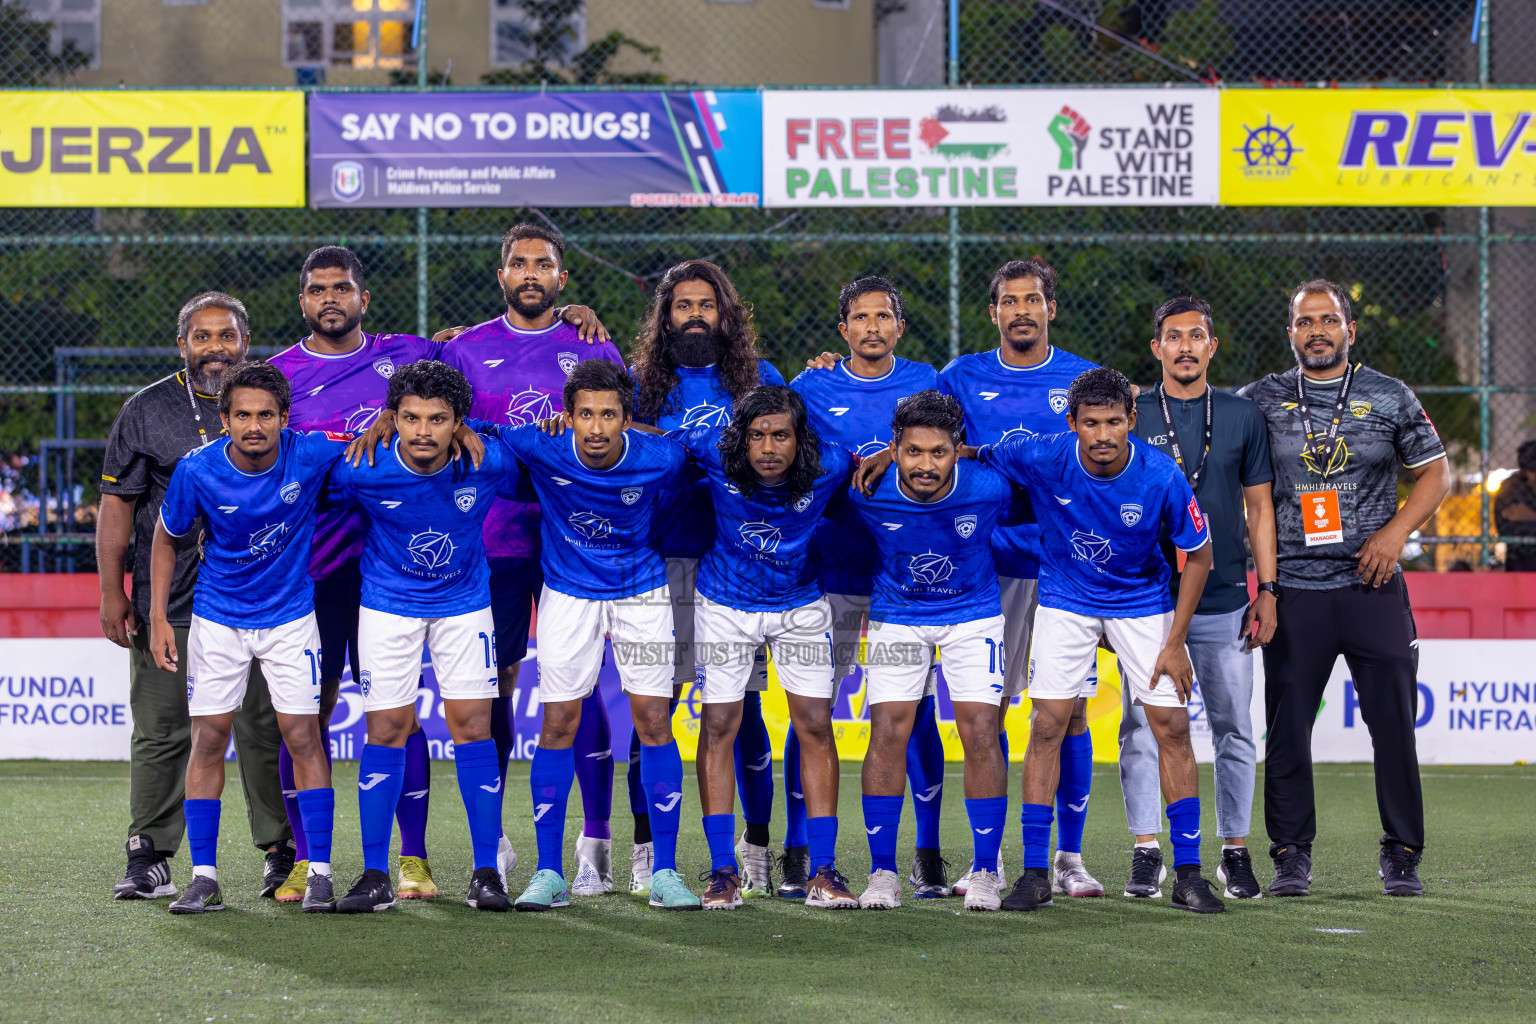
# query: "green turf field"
[[1465, 952]]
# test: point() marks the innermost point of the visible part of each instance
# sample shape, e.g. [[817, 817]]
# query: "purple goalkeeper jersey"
[[344, 393], [519, 377]]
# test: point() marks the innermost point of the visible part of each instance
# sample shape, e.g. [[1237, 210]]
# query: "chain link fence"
[[88, 297]]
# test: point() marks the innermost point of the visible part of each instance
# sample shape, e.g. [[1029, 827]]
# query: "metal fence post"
[[954, 211], [422, 70], [1484, 335]]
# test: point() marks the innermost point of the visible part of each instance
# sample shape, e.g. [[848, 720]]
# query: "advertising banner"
[[991, 147], [232, 149], [1378, 147], [548, 149]]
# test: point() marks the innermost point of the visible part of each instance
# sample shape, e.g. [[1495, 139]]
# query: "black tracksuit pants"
[[1374, 631]]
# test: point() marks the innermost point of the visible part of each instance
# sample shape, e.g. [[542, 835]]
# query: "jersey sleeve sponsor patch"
[[1196, 517]]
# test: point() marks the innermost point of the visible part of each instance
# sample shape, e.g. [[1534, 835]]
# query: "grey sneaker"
[[148, 876], [201, 896], [1293, 872], [319, 895]]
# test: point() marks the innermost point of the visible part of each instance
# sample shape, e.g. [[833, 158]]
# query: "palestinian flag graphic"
[[956, 133]]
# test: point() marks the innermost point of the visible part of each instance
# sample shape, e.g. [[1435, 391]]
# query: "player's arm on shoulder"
[[1018, 509], [822, 361], [381, 431], [586, 322]]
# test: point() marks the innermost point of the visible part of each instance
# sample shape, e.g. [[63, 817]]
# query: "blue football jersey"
[[423, 555], [597, 524], [699, 400], [259, 526], [855, 412], [935, 558], [1002, 401], [1102, 537], [761, 557]]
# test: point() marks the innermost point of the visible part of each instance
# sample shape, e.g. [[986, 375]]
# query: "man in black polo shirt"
[[1337, 434], [154, 429], [1221, 443]]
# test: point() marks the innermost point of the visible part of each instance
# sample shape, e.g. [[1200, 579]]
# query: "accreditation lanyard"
[[1323, 450], [1173, 437], [197, 413]]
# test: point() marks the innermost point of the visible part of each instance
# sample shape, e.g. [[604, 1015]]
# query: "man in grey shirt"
[[1221, 443]]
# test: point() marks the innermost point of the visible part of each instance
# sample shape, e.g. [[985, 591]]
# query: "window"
[[348, 33], [512, 34], [75, 23]]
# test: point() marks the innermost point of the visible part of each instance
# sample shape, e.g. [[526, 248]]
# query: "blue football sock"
[[754, 767], [202, 831], [661, 775], [317, 809], [794, 796], [549, 781], [822, 833], [925, 770], [1184, 830], [1002, 741], [988, 816], [637, 791], [594, 765], [380, 778], [415, 795], [1036, 833], [1072, 791], [720, 830], [882, 817], [503, 734], [480, 787]]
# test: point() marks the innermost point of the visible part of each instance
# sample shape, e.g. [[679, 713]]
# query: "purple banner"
[[506, 149]]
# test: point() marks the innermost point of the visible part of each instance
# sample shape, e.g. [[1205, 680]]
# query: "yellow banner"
[[152, 149], [852, 735], [1378, 147]]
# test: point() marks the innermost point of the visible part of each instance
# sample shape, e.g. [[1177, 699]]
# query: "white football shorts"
[[728, 642], [899, 657], [1066, 651], [219, 664], [463, 650], [571, 631]]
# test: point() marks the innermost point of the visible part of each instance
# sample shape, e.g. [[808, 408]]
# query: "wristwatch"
[[1269, 588]]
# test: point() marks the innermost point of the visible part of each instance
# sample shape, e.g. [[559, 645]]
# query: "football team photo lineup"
[[546, 496]]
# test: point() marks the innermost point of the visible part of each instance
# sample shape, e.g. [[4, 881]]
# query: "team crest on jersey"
[[1090, 547], [431, 549], [190, 681], [464, 497], [1130, 514], [361, 418], [706, 415], [590, 525], [965, 526], [567, 361], [1058, 400], [869, 448], [1360, 409], [763, 537], [1019, 431], [805, 502], [365, 682], [290, 492], [630, 495], [385, 366], [931, 567]]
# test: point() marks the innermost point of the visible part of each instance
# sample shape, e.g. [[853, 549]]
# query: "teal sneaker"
[[669, 893], [546, 890]]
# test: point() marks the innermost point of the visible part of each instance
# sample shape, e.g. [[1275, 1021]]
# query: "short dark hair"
[[212, 300], [929, 409], [868, 286], [1320, 286], [599, 375], [1100, 386], [1525, 456], [429, 379], [767, 400], [518, 232], [334, 256], [259, 375], [1182, 304], [1015, 269]]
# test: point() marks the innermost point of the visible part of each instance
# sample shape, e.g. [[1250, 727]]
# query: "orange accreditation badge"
[[1320, 521]]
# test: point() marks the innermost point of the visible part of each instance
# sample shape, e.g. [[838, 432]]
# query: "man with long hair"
[[695, 356], [771, 479]]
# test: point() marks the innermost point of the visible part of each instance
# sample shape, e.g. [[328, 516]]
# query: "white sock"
[[1231, 846], [206, 870], [320, 867], [1150, 844]]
